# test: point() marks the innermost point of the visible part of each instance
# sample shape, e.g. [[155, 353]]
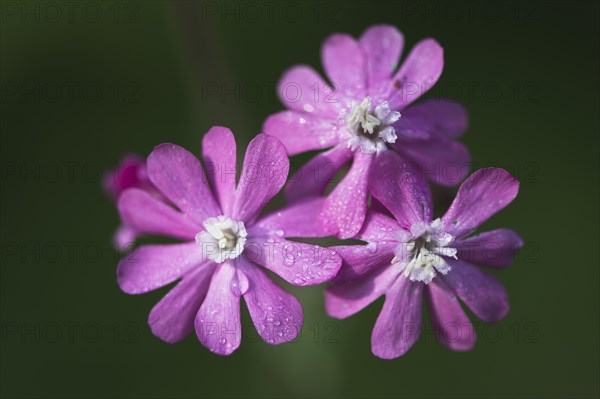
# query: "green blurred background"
[[84, 84]]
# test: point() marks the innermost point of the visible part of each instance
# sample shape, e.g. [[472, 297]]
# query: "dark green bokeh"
[[527, 72]]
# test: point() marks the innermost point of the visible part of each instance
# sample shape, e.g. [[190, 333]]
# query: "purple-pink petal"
[[484, 193], [219, 156], [153, 266], [301, 132], [382, 235], [297, 263], [434, 117], [344, 64], [302, 89], [378, 227], [131, 172], [172, 318], [347, 298], [217, 323], [419, 72], [442, 160], [124, 238], [346, 205], [452, 326], [482, 293], [146, 214], [495, 248], [402, 188], [398, 326], [315, 175], [240, 283], [359, 260], [265, 171], [381, 46], [301, 219], [276, 313], [178, 174]]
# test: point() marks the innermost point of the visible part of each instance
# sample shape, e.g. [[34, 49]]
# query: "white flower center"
[[423, 256], [370, 129], [223, 239]]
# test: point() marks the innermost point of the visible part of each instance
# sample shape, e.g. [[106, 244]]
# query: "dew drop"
[[239, 283], [217, 309]]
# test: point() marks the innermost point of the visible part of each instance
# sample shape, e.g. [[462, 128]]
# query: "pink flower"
[[225, 239], [411, 256], [130, 173], [367, 111]]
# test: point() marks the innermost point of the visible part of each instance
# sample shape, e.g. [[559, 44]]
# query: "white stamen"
[[370, 129], [424, 255], [223, 239]]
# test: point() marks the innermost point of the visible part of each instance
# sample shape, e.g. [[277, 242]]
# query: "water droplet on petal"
[[239, 283], [217, 309]]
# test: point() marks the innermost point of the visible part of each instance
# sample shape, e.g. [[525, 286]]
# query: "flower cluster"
[[364, 117]]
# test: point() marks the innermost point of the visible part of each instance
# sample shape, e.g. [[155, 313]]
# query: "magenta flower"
[[226, 239], [414, 256], [130, 173], [366, 110]]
